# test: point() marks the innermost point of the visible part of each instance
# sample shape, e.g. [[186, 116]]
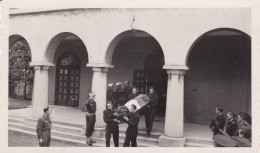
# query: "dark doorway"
[[219, 75], [155, 76], [68, 80]]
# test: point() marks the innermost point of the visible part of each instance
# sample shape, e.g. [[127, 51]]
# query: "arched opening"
[[138, 60], [70, 79], [219, 75], [20, 73]]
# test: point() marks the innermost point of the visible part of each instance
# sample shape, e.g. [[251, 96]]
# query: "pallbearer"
[[112, 125], [150, 110]]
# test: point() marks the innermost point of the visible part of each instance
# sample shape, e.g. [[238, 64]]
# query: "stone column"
[[173, 132], [99, 84], [40, 90]]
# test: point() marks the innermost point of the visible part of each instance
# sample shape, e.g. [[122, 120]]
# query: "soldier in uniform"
[[112, 125], [110, 96], [119, 95], [150, 110], [219, 121], [132, 129], [90, 117], [231, 126], [243, 121], [43, 128], [133, 94]]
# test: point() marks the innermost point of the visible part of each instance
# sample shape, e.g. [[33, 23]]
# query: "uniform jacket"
[[133, 120], [220, 122], [153, 100], [44, 124], [91, 106], [231, 127], [108, 117]]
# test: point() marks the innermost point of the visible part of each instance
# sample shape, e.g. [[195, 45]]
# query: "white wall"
[[174, 29]]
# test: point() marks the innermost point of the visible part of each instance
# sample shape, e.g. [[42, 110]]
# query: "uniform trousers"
[[90, 124], [46, 138]]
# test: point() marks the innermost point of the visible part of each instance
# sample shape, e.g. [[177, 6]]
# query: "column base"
[[165, 141]]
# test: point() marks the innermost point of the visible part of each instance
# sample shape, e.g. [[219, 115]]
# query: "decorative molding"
[[175, 67], [42, 64], [104, 65]]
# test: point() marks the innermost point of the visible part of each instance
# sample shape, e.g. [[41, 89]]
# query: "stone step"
[[142, 141], [200, 141], [16, 120], [13, 116], [190, 144], [77, 143]]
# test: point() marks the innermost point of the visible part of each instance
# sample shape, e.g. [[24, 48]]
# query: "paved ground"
[[18, 103], [17, 139]]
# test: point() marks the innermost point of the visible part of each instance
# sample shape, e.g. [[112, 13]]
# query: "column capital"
[[176, 72], [41, 64], [99, 65], [100, 69], [176, 67]]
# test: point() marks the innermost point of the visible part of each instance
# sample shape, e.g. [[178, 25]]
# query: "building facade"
[[197, 59]]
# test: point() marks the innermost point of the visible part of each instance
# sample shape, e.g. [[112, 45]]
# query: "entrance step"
[[199, 142], [73, 134]]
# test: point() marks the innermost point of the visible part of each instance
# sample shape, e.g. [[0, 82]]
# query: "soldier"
[[119, 95], [133, 94], [43, 128], [219, 122], [90, 117], [110, 96], [150, 110], [112, 125], [132, 129], [231, 126], [243, 121]]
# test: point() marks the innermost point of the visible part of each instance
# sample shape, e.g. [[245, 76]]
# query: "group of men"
[[44, 125], [237, 130], [132, 120]]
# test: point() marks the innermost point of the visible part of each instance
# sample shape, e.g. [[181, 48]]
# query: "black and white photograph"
[[130, 77]]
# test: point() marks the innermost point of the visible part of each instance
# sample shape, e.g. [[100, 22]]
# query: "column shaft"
[[174, 107], [99, 84], [40, 90]]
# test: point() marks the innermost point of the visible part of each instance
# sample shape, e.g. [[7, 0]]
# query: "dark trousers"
[[131, 135], [112, 129], [46, 137], [149, 118], [90, 124]]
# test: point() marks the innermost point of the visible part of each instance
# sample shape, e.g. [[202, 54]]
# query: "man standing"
[[112, 125], [132, 129], [43, 128], [90, 117], [219, 122], [150, 110], [231, 126], [133, 94]]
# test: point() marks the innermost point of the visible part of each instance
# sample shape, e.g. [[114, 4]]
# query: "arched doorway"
[[138, 58], [219, 75], [68, 80]]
